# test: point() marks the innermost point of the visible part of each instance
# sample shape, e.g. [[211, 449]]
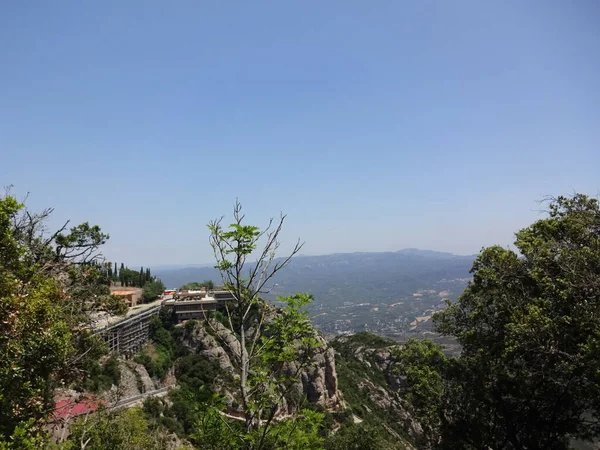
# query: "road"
[[130, 402]]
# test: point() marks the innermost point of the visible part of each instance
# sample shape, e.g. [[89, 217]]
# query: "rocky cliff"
[[372, 389], [318, 383]]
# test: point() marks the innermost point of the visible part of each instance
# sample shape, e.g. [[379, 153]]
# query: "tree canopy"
[[208, 284], [528, 376], [49, 285], [152, 290], [274, 346]]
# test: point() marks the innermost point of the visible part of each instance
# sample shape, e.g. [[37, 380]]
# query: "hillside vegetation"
[[258, 375]]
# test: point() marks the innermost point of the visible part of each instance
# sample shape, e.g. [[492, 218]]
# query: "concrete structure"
[[193, 309], [129, 335], [195, 304]]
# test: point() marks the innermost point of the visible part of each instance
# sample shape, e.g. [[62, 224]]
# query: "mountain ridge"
[[409, 251]]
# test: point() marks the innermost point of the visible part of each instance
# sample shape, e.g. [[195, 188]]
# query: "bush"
[[355, 437], [153, 290], [153, 408], [189, 326], [100, 377]]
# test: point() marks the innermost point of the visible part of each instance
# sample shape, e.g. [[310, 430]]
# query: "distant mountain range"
[[350, 276]]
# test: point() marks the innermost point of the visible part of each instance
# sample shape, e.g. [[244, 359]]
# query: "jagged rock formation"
[[199, 340], [318, 383], [134, 381], [370, 384]]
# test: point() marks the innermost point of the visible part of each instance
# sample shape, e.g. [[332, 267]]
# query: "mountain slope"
[[343, 277], [373, 393], [390, 292]]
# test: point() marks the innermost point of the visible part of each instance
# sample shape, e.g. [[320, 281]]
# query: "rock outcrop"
[[203, 342], [375, 378], [134, 381], [318, 382]]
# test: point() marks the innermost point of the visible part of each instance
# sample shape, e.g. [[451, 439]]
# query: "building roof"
[[205, 301], [122, 292], [70, 407]]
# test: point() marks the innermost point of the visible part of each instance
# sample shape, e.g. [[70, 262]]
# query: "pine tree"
[[122, 275], [115, 272], [141, 278]]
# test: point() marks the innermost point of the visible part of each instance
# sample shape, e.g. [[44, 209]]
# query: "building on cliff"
[[194, 304]]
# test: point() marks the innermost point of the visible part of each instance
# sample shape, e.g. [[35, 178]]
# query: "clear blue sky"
[[374, 125]]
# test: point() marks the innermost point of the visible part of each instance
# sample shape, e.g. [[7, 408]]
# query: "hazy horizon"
[[300, 255], [375, 127]]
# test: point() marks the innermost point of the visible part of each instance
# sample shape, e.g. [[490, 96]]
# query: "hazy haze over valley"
[[388, 292]]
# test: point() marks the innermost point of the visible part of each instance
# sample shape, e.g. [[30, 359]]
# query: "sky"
[[374, 125]]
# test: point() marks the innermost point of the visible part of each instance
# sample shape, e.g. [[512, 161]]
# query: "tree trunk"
[[244, 378]]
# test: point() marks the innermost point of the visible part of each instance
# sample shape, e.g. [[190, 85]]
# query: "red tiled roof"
[[70, 407]]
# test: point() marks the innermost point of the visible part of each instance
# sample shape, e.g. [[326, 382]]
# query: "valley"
[[393, 294]]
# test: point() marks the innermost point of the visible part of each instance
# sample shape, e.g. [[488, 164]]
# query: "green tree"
[[123, 430], [300, 433], [122, 275], [115, 305], [34, 341], [153, 290], [212, 431], [355, 437], [528, 376], [46, 286], [421, 364], [208, 284], [274, 346]]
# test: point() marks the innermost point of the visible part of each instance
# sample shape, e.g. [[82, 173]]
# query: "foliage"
[[152, 290], [50, 283], [195, 372], [195, 376], [129, 277], [153, 408], [35, 342], [124, 430], [164, 350], [529, 372], [421, 365], [211, 429], [369, 340], [208, 284], [115, 304], [26, 436], [101, 377], [362, 379], [356, 437], [299, 433], [274, 346], [214, 431], [348, 364]]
